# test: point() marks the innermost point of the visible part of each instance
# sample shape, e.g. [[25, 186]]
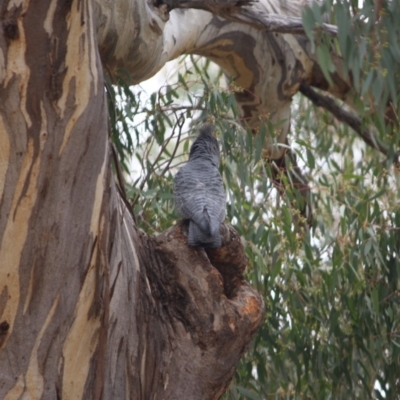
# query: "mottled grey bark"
[[90, 307]]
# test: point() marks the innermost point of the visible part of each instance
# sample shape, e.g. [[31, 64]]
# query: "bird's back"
[[200, 198]]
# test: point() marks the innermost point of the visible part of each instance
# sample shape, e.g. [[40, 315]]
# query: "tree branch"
[[342, 115], [244, 12]]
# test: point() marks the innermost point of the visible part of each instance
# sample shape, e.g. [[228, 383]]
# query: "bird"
[[199, 193]]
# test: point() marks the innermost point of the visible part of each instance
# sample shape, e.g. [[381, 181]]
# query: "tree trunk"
[[89, 306]]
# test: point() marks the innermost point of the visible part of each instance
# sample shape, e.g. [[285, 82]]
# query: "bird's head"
[[205, 146]]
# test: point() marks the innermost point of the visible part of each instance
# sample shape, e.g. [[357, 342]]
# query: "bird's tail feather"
[[197, 237], [203, 221]]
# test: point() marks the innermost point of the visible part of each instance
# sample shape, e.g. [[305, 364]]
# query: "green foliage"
[[332, 295], [369, 42], [331, 328]]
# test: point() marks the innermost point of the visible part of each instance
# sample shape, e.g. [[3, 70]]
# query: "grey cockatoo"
[[199, 191]]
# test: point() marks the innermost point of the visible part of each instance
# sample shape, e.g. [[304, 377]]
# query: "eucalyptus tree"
[[93, 307]]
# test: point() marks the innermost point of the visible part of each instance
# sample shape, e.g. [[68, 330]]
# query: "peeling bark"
[[53, 162], [90, 307], [259, 18]]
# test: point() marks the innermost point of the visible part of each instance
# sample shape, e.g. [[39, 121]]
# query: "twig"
[[180, 108], [151, 168], [177, 164], [177, 143]]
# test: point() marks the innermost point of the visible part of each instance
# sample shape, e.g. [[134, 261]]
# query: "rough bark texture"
[[200, 311], [91, 308]]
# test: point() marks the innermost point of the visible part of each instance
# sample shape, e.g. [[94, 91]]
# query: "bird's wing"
[[190, 196], [216, 199]]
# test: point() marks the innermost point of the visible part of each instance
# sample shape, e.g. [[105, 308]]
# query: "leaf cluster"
[[368, 42]]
